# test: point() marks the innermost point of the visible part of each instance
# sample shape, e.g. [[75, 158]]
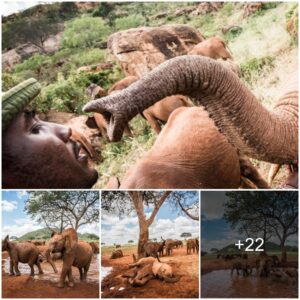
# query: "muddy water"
[[220, 284], [92, 276], [105, 271]]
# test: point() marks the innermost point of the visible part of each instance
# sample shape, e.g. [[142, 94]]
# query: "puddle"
[[220, 284], [104, 272], [92, 276]]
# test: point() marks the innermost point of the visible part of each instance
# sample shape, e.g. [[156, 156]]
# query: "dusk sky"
[[168, 224], [215, 231], [15, 222]]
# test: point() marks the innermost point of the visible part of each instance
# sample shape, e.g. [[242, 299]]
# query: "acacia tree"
[[267, 213], [61, 209]]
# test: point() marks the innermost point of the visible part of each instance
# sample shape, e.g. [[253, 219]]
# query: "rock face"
[[139, 50], [9, 59]]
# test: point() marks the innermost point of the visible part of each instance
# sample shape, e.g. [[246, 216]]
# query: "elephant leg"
[[31, 269], [80, 273], [39, 267], [66, 269], [152, 121], [128, 131], [71, 279], [11, 268], [86, 269], [16, 266]]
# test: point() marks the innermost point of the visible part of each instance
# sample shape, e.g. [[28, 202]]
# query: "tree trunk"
[[143, 238], [283, 252]]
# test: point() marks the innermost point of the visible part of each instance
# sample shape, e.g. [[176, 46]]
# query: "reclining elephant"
[[265, 135], [24, 252]]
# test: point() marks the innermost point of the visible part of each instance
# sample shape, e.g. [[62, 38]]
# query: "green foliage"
[[9, 80], [254, 66], [34, 63], [103, 10], [66, 95], [131, 21], [84, 32]]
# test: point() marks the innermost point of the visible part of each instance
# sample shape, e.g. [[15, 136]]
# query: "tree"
[[186, 234], [130, 242], [29, 30], [215, 250], [61, 209], [84, 32], [267, 213], [124, 202]]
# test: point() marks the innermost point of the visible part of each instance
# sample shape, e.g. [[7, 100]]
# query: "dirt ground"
[[184, 266], [25, 286]]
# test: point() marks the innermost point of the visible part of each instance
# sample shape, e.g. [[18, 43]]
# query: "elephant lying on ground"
[[82, 260], [191, 153], [149, 268], [289, 276], [212, 47], [26, 253], [74, 253], [116, 254], [270, 136]]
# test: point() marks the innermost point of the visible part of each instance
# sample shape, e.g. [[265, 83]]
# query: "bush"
[[84, 32], [66, 95], [132, 21]]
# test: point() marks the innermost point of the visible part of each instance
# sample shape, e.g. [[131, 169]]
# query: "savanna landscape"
[[34, 254], [79, 51], [149, 245], [271, 271]]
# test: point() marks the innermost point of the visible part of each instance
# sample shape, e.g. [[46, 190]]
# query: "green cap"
[[17, 98]]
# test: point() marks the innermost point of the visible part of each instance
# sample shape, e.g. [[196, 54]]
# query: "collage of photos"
[[149, 150]]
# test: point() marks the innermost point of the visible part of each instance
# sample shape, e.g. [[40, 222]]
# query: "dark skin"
[[39, 154]]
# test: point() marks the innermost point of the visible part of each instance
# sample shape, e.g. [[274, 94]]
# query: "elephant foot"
[[11, 274], [41, 272], [60, 285], [18, 274], [71, 284], [31, 274]]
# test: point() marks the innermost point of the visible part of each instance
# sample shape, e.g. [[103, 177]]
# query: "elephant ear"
[[71, 239], [6, 238], [53, 232]]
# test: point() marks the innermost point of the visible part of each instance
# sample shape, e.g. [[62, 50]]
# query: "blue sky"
[[15, 222], [168, 224], [215, 232]]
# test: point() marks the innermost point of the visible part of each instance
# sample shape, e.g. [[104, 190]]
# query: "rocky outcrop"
[[9, 59], [251, 7], [139, 50]]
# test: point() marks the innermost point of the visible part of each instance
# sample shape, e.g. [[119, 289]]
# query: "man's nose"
[[63, 132]]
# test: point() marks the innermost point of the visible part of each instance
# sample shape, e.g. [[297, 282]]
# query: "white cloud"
[[9, 205], [10, 7], [20, 227], [120, 231], [21, 194], [90, 228]]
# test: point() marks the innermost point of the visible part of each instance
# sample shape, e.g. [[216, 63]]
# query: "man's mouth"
[[76, 149]]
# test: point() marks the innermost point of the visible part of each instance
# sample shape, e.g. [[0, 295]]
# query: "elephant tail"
[[171, 279]]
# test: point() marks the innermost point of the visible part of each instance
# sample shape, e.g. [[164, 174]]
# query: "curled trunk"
[[265, 135]]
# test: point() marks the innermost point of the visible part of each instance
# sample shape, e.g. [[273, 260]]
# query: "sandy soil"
[[185, 266], [26, 286]]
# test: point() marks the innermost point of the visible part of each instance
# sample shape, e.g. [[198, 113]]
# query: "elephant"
[[23, 252], [212, 47], [264, 264], [191, 153], [243, 265], [287, 276], [122, 84], [169, 244], [270, 136], [148, 268], [154, 249], [178, 243], [95, 247], [191, 246], [83, 257], [116, 254], [66, 243]]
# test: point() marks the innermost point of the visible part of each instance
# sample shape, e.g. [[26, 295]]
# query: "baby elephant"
[[21, 252]]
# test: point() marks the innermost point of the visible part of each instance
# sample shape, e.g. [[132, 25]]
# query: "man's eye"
[[36, 129]]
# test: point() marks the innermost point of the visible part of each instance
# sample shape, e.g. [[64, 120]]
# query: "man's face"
[[39, 154]]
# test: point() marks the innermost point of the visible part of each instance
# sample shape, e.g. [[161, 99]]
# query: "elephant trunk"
[[265, 135]]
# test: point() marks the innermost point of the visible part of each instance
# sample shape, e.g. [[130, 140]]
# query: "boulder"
[[139, 50], [251, 7], [9, 59], [51, 45], [27, 50], [207, 7]]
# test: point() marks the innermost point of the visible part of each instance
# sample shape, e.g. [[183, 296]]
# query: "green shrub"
[[34, 63], [84, 32], [132, 21], [254, 66], [9, 81]]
